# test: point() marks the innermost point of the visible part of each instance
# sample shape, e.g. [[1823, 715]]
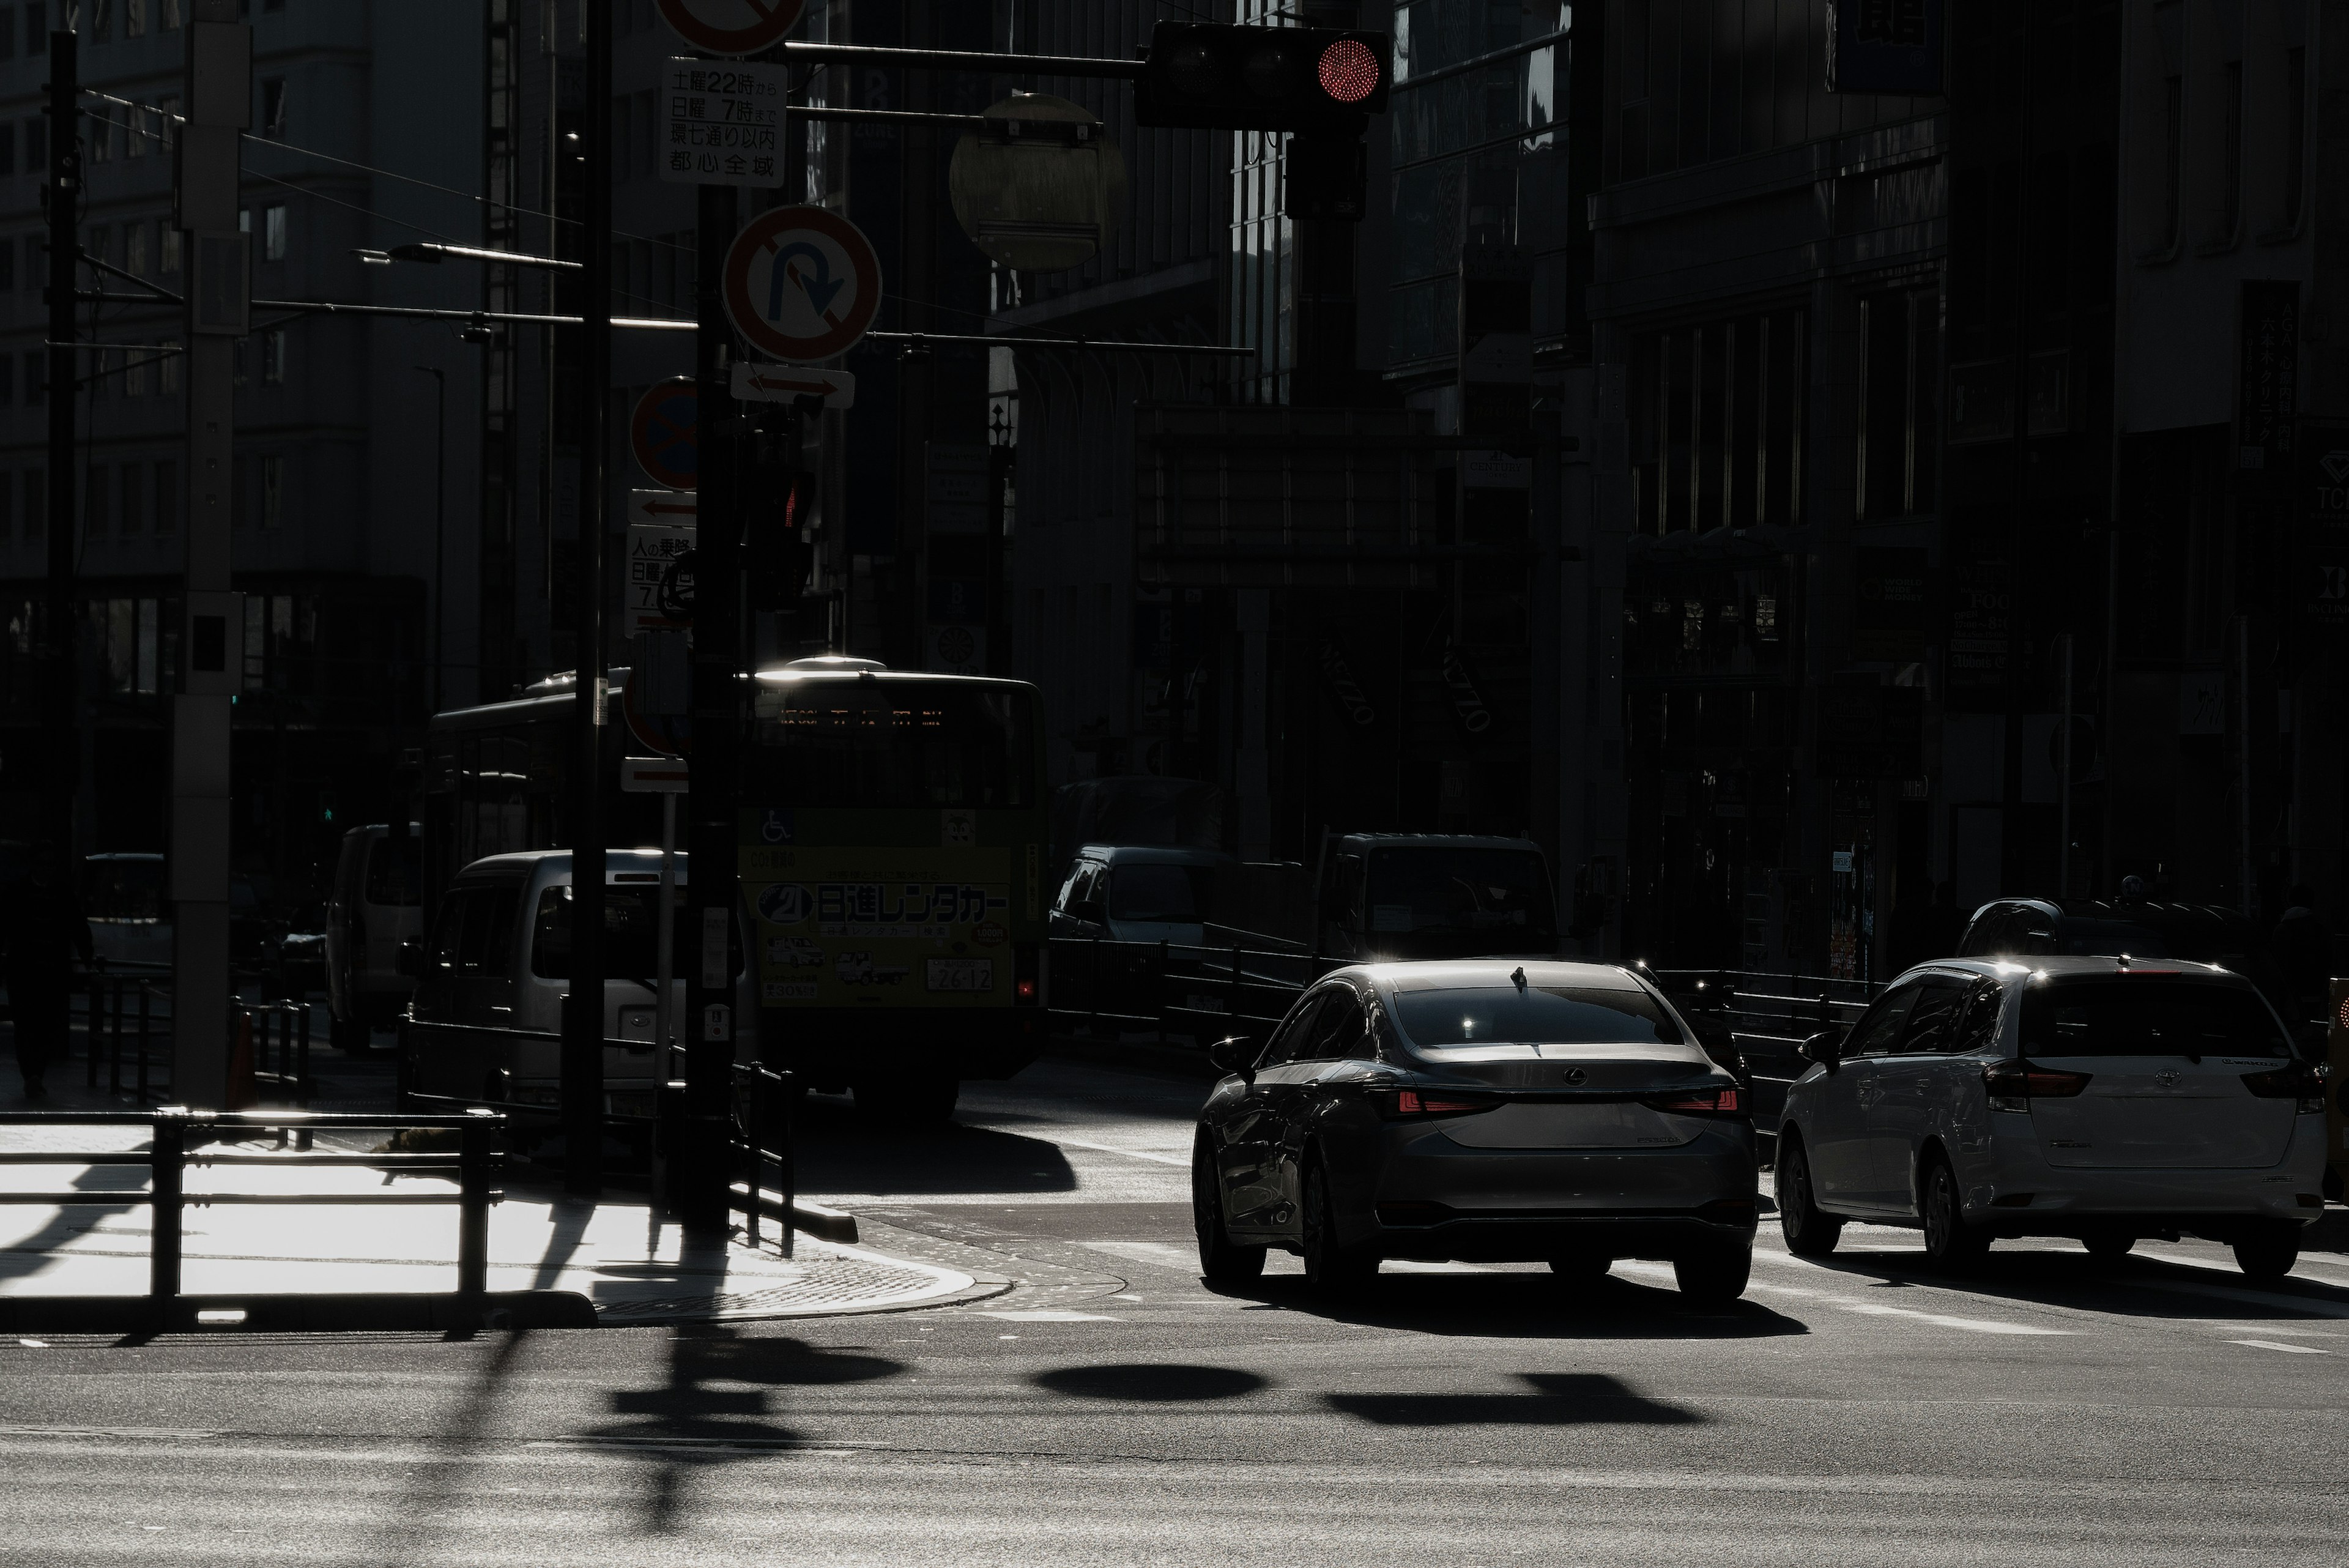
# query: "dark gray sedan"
[[1487, 1111]]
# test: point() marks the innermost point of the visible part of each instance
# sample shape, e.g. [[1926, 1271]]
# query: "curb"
[[351, 1311]]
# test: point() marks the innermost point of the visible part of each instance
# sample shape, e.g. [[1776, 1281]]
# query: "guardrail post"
[[167, 1150], [302, 1068], [789, 1157], [1093, 991], [146, 1003], [473, 1211], [752, 1128], [1161, 990]]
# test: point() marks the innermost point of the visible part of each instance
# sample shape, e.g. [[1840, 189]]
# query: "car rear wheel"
[[1951, 1242], [1585, 1269], [1715, 1276], [2268, 1253], [2109, 1247], [1222, 1260], [1810, 1231], [1332, 1267]]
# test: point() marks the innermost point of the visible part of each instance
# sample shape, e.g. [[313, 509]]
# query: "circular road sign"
[[802, 282], [732, 27], [665, 433], [670, 734]]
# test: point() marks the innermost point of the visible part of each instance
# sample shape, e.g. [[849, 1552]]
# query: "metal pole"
[[166, 1155], [2063, 841], [60, 697], [2251, 899], [753, 1128], [473, 1205], [583, 1017], [440, 526], [665, 976], [712, 800]]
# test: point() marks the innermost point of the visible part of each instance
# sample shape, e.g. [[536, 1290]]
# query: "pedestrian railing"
[[279, 1033], [179, 1140], [433, 1053], [128, 1013], [1768, 1017], [1198, 993], [760, 1137]]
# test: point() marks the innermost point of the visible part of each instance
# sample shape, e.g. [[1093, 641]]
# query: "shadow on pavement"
[[1150, 1383], [688, 1423], [1525, 1307], [2133, 1286], [1554, 1399], [840, 1153]]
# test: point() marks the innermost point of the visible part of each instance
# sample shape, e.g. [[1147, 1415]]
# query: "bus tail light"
[[1026, 975]]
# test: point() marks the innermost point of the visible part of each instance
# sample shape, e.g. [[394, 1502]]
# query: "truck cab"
[[1387, 896]]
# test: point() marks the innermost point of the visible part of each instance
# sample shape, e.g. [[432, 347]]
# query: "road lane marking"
[[1162, 1254], [1875, 1309], [1049, 1314], [2287, 1349]]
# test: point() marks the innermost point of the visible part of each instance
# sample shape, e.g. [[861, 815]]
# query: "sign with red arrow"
[[801, 283], [788, 383], [732, 27]]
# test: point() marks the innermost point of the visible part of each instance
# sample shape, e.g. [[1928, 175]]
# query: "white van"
[[376, 905], [497, 960], [122, 894]]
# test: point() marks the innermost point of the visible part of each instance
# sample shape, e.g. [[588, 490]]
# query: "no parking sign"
[[802, 282], [666, 432]]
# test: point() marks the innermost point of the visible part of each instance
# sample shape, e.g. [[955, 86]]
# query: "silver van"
[[376, 905], [494, 967]]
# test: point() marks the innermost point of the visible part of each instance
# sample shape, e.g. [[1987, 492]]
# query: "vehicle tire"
[[2268, 1253], [1952, 1243], [351, 1035], [1810, 1230], [1585, 1270], [1715, 1276], [1331, 1270], [2109, 1247], [1222, 1260]]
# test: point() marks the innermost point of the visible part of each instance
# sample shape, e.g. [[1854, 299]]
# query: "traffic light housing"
[[777, 550], [1262, 79]]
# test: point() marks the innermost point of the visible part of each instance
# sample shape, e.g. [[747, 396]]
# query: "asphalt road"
[[1108, 1410]]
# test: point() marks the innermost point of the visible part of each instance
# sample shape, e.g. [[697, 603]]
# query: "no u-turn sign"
[[802, 282]]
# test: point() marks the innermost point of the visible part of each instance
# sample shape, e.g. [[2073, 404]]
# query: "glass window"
[[1932, 1022], [1538, 1015], [2148, 1015], [631, 935], [1290, 1042], [1880, 1027], [273, 233], [395, 871], [1178, 894], [885, 745], [1339, 1033], [1977, 1029], [123, 889], [475, 934], [1496, 891]]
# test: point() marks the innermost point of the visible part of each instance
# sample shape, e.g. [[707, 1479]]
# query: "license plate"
[[961, 974]]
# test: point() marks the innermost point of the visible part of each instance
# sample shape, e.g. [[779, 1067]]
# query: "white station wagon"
[[2089, 1097]]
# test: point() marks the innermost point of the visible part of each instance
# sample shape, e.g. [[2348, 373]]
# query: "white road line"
[[1877, 1309], [1182, 1159], [1049, 1315], [2288, 1349], [1162, 1254]]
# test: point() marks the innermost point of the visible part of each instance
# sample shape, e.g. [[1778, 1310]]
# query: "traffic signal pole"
[[61, 693], [582, 1015], [712, 800]]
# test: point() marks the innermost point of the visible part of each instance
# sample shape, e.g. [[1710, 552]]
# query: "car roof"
[[1153, 855], [1461, 974], [1435, 841], [555, 865], [2059, 964]]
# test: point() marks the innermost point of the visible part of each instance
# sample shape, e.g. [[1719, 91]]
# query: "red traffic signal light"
[[1262, 79]]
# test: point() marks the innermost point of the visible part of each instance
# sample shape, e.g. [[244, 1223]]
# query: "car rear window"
[[1180, 894], [1538, 1015], [2148, 1015]]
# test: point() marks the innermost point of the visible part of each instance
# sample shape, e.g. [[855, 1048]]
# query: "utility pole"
[[61, 695], [219, 301], [583, 1015], [713, 801]]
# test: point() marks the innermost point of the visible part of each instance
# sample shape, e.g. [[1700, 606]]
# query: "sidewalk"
[[631, 1266]]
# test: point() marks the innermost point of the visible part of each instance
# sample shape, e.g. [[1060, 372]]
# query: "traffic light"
[[777, 552], [1262, 79]]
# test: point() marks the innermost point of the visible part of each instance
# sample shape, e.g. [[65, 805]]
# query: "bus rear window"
[[893, 745]]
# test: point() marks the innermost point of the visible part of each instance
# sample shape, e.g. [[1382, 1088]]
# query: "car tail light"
[[2300, 1082], [1728, 1102], [1027, 974], [1413, 1103], [2012, 1086]]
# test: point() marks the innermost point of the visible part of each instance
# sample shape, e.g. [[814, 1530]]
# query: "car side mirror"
[[1087, 910], [1825, 1048], [411, 961], [1233, 1053]]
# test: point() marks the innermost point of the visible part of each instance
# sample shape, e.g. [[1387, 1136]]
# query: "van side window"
[[475, 934]]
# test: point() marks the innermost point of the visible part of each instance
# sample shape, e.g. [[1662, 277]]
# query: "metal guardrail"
[[1767, 1016], [637, 1103], [761, 1113], [1176, 987], [175, 1142]]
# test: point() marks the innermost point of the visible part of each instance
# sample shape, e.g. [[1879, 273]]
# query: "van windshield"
[[1489, 894], [1178, 895], [631, 935], [127, 889], [1538, 1016], [2149, 1015]]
